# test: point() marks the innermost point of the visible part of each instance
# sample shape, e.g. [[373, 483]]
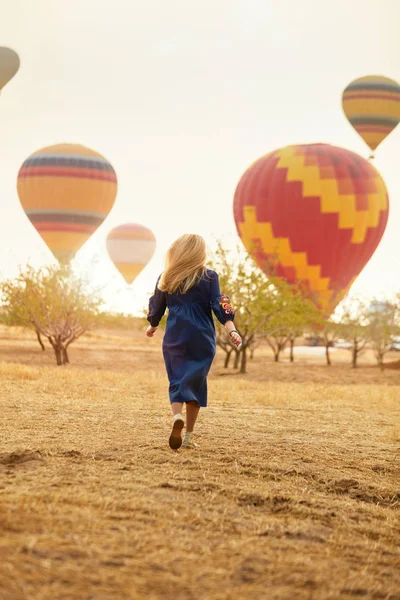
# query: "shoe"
[[188, 442], [175, 439]]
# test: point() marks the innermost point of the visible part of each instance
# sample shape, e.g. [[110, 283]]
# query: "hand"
[[151, 331], [236, 339]]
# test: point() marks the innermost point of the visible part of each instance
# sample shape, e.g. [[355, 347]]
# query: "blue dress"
[[189, 344]]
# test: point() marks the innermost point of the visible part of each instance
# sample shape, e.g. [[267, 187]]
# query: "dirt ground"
[[294, 492]]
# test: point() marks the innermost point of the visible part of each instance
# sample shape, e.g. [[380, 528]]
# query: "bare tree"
[[256, 344], [292, 315], [224, 343], [330, 333], [39, 339], [277, 342], [354, 327], [53, 302], [383, 318]]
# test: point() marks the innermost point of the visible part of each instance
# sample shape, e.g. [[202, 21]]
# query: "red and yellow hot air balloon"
[[9, 65], [372, 105], [130, 247], [66, 191], [312, 215]]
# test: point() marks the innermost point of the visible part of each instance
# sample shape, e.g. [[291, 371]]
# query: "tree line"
[[272, 312], [60, 306]]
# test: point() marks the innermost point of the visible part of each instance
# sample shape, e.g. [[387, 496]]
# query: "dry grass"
[[295, 493]]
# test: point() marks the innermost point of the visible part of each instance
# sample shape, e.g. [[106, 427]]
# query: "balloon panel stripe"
[[65, 218], [64, 227], [87, 162], [61, 211], [373, 120], [131, 227], [373, 129], [373, 85], [72, 172], [69, 156], [137, 234], [371, 96]]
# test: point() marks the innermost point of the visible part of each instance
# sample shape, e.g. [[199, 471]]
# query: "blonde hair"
[[185, 264]]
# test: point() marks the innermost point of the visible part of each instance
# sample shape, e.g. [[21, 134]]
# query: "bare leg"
[[192, 411], [177, 408]]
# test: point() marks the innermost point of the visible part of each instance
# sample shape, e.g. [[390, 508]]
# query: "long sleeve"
[[220, 303], [157, 306]]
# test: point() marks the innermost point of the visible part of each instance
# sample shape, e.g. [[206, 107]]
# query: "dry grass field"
[[293, 494]]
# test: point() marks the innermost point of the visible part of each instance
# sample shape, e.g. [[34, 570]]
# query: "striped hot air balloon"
[[313, 215], [66, 191], [130, 247], [9, 65], [372, 105]]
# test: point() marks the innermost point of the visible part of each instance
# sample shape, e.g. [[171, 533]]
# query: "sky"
[[181, 97]]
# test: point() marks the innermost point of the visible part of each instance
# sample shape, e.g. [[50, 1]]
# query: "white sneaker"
[[188, 442], [175, 439]]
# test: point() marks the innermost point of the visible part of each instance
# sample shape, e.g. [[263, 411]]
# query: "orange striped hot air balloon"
[[372, 105], [130, 247], [9, 65], [312, 215], [66, 191]]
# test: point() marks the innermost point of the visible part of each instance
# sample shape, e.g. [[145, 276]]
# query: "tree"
[[39, 339], [302, 315], [354, 327], [292, 315], [329, 330], [383, 319], [251, 293], [54, 302], [13, 321], [224, 343], [266, 308], [277, 341], [254, 347]]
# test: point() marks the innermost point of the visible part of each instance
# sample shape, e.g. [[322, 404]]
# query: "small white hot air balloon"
[[130, 247]]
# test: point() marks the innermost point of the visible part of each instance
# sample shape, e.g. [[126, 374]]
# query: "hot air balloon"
[[312, 215], [66, 191], [9, 65], [372, 105], [130, 248]]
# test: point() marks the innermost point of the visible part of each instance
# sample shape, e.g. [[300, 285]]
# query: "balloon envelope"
[[9, 65], [130, 248], [66, 191], [372, 105], [313, 215]]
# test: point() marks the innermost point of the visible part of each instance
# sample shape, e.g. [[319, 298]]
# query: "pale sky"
[[181, 96]]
